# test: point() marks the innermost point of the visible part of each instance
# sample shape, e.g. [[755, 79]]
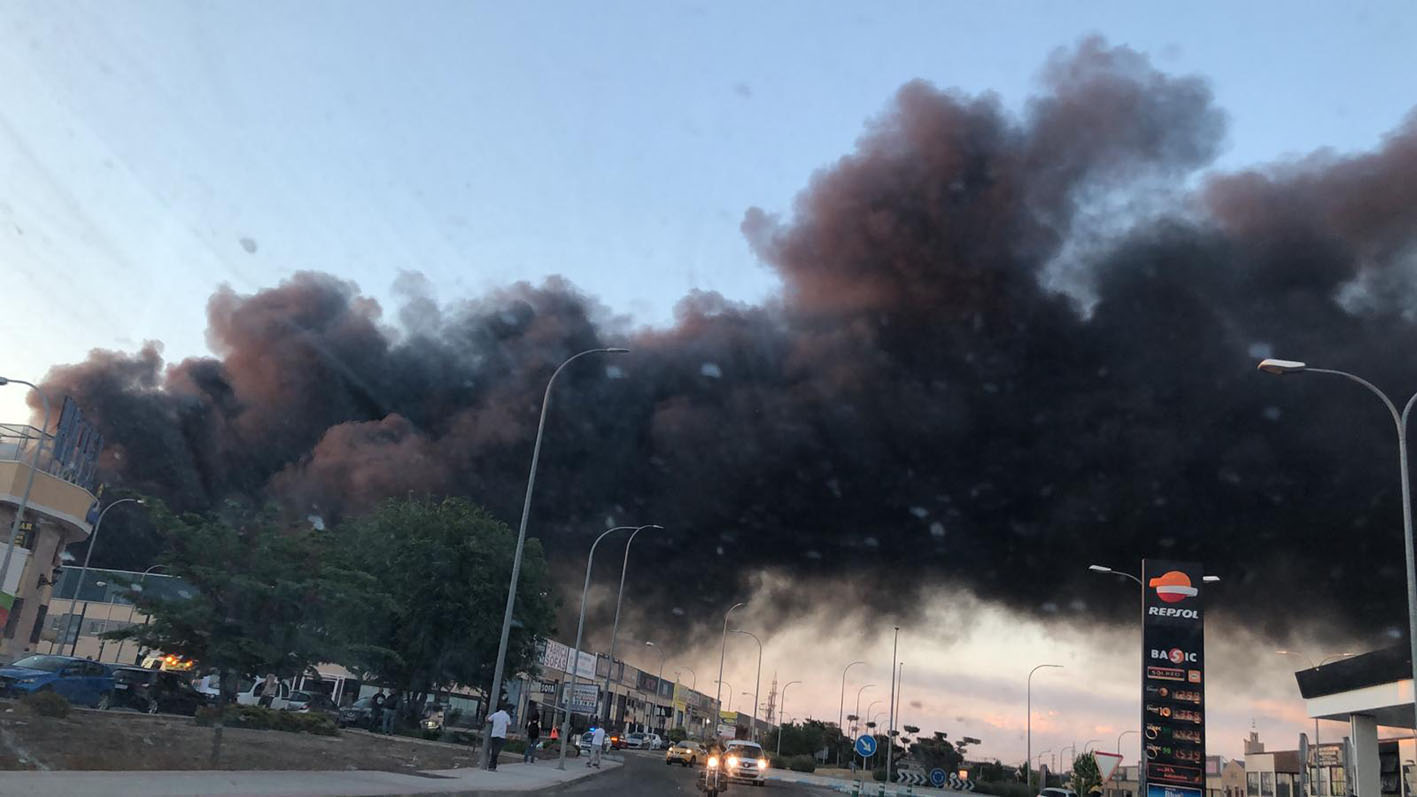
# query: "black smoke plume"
[[920, 406]]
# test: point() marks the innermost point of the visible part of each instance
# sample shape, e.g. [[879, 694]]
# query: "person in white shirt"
[[597, 741], [497, 737]]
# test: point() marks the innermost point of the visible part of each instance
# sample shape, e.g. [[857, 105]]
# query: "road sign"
[[910, 778], [865, 745], [938, 777], [1106, 763]]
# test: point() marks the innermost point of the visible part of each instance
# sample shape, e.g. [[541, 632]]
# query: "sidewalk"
[[508, 778]]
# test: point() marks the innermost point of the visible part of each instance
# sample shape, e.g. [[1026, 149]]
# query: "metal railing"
[[17, 442]]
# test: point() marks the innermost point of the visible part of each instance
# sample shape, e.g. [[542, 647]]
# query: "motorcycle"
[[714, 782]]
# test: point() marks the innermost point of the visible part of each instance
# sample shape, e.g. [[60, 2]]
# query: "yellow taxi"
[[686, 753]]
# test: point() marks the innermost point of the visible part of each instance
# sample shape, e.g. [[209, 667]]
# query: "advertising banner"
[[1173, 680], [585, 699]]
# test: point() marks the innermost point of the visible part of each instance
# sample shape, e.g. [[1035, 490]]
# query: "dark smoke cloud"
[[917, 409]]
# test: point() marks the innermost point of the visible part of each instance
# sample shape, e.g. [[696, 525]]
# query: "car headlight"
[[733, 761], [713, 762], [28, 681], [762, 763]]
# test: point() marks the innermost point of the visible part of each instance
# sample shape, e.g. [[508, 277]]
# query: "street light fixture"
[[841, 708], [658, 681], [29, 482], [1029, 708], [620, 596], [1281, 367], [782, 707], [495, 696], [576, 653], [720, 706], [722, 649], [863, 688], [132, 607], [757, 682], [83, 571]]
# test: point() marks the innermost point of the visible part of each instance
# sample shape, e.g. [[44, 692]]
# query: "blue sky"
[[618, 144]]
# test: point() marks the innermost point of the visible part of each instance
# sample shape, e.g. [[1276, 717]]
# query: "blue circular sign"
[[938, 777], [865, 745]]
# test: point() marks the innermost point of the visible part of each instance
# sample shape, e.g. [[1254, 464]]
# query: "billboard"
[[584, 700], [1173, 680]]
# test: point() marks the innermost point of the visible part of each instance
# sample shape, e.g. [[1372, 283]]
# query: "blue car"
[[83, 682]]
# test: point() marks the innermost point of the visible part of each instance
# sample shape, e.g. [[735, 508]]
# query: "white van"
[[251, 695]]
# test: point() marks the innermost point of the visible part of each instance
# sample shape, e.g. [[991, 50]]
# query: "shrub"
[[46, 704], [266, 719], [677, 735], [802, 763], [514, 746], [879, 774]]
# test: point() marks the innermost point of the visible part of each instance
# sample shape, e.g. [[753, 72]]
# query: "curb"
[[553, 788]]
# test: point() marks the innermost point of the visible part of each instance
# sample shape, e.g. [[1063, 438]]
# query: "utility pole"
[[769, 713]]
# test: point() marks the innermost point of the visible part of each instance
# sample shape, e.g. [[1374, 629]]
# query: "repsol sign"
[[1168, 611]]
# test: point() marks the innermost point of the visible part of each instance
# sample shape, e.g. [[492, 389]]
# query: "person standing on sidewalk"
[[376, 713], [497, 735], [391, 712], [597, 741], [533, 734]]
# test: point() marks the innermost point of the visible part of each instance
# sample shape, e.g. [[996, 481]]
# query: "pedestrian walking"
[[597, 741], [391, 711], [376, 715], [533, 734], [497, 736], [267, 693]]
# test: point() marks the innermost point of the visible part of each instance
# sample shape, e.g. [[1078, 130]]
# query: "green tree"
[[1085, 774], [440, 569], [262, 596], [936, 751]]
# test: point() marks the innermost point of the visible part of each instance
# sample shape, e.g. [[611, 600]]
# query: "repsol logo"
[[1175, 656], [1167, 611]]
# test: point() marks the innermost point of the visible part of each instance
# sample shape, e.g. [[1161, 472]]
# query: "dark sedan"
[[155, 691], [359, 714]]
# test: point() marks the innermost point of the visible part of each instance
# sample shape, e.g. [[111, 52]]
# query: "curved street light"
[[659, 681], [576, 654], [757, 681], [620, 596], [841, 709], [83, 571], [782, 707], [495, 696], [722, 649], [1283, 367], [863, 688], [1029, 708]]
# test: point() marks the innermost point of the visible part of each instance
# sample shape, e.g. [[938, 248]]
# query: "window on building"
[[1338, 785], [1252, 784], [1283, 785], [1266, 784]]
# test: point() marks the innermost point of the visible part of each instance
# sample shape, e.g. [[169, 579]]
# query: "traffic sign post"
[[938, 778]]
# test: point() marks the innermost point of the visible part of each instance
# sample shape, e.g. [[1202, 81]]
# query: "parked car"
[[635, 741], [83, 682], [654, 741], [253, 694], [312, 703], [359, 714], [745, 761], [686, 753], [1056, 792], [155, 691]]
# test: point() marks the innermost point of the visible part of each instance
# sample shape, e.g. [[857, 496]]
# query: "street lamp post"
[[1119, 739], [720, 705], [620, 596], [1044, 781], [863, 688], [693, 687], [1281, 367], [1087, 745], [841, 708], [1029, 722], [576, 653], [757, 681], [1312, 666], [782, 707], [495, 696], [132, 608], [718, 691], [890, 705], [83, 571], [660, 679], [29, 482]]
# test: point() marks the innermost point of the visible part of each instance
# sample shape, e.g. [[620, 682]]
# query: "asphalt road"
[[645, 775]]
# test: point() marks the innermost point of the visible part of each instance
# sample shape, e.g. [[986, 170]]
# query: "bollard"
[[856, 788]]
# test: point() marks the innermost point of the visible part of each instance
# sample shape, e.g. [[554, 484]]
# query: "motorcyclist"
[[714, 782]]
